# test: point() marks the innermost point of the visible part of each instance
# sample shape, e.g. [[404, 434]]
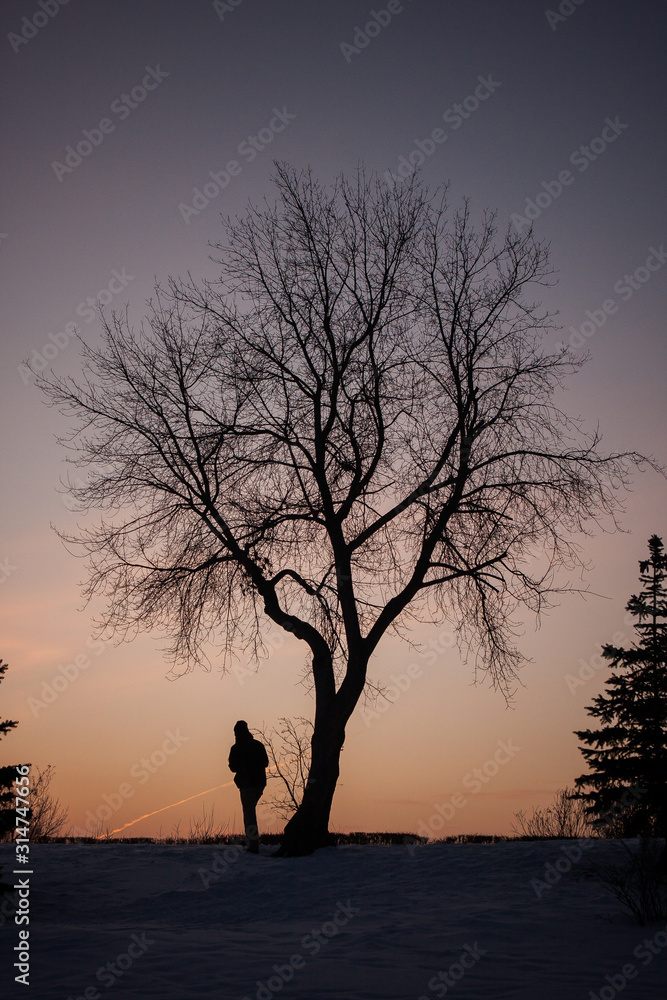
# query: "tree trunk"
[[308, 828]]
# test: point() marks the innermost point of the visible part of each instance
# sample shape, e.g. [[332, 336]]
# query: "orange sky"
[[63, 237], [443, 755]]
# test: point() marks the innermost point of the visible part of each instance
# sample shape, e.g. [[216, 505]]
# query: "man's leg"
[[249, 799]]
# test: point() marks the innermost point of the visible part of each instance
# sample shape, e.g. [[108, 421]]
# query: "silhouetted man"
[[248, 760]]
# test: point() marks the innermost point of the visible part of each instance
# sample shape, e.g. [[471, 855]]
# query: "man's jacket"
[[248, 760]]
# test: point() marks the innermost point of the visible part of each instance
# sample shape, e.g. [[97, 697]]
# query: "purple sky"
[[561, 118]]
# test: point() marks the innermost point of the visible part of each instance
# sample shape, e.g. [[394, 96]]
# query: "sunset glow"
[[131, 130]]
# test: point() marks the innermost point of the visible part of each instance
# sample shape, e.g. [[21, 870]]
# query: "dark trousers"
[[249, 799]]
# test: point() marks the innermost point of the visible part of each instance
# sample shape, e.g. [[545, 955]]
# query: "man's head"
[[241, 729]]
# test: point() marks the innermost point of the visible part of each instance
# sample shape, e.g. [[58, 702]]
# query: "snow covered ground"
[[350, 923]]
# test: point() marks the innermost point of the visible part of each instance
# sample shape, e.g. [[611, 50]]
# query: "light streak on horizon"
[[272, 767], [170, 806]]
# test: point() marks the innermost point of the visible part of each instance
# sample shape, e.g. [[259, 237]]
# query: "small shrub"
[[638, 880], [565, 818]]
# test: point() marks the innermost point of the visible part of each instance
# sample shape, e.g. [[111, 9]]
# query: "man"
[[248, 760]]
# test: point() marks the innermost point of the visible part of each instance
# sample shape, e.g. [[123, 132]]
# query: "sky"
[[119, 118]]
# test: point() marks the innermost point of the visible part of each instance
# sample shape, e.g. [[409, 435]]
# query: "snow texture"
[[347, 923]]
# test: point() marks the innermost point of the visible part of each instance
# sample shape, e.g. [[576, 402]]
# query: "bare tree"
[[288, 749], [47, 816], [353, 427]]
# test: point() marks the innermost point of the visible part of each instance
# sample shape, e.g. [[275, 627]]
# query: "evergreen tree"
[[629, 750]]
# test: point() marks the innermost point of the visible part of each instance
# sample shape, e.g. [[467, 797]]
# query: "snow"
[[350, 923]]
